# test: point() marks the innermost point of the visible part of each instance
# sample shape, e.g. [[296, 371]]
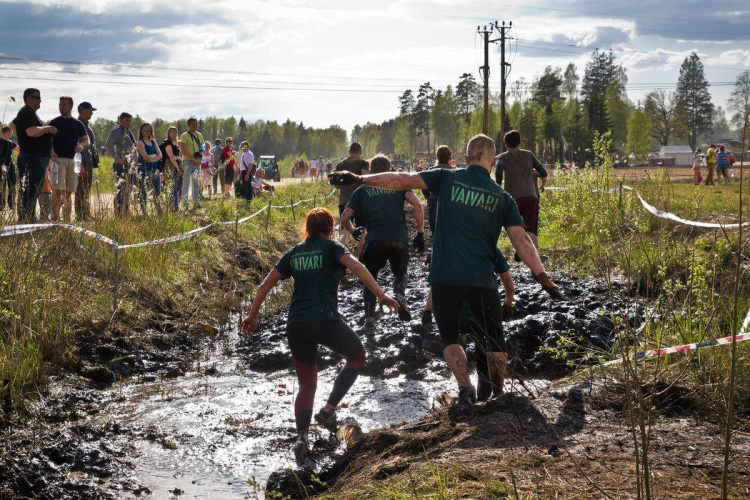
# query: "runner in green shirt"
[[472, 210], [316, 265], [381, 211]]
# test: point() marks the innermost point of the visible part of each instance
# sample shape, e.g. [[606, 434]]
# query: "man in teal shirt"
[[381, 212], [471, 211]]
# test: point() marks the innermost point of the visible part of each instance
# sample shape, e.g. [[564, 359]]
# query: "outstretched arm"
[[361, 272], [388, 180], [346, 220], [418, 210], [527, 251], [525, 248], [249, 323], [395, 180]]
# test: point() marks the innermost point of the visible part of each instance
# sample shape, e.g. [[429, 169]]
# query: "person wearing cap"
[[90, 161], [217, 151]]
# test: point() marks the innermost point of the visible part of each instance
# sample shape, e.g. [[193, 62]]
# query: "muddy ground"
[[183, 408]]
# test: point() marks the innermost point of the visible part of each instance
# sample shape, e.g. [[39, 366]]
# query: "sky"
[[326, 62]]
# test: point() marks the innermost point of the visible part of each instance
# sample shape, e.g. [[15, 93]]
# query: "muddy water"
[[230, 417], [205, 434]]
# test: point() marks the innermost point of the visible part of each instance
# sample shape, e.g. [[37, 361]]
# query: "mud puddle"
[[205, 434], [197, 416]]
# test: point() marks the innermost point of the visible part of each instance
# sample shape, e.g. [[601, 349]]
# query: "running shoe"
[[368, 325], [327, 418], [427, 318], [484, 388], [403, 309], [300, 449], [467, 396]]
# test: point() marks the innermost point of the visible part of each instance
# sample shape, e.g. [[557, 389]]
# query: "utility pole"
[[503, 76], [486, 31]]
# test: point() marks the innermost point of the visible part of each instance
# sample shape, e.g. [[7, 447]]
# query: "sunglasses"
[[37, 97]]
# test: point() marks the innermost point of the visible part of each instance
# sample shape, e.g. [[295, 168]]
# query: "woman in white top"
[[246, 170], [208, 168]]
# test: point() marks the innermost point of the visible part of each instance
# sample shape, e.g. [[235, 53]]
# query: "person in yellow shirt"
[[710, 162], [191, 147]]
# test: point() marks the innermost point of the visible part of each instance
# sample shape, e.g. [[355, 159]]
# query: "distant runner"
[[519, 167], [354, 164], [722, 164], [316, 265], [472, 210], [381, 212]]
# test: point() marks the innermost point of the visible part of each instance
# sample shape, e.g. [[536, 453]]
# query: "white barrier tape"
[[740, 337], [670, 216], [24, 228], [29, 228], [89, 233], [243, 220], [170, 239], [660, 213]]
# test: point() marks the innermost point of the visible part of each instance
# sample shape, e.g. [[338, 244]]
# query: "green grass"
[[55, 284], [686, 275]]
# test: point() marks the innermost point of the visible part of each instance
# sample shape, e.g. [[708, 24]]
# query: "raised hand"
[[344, 178]]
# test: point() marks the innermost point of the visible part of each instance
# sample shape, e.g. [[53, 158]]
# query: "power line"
[[140, 75], [236, 87], [608, 14], [533, 45], [201, 70]]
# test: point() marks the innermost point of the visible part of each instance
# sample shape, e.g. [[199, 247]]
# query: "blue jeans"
[[152, 177], [190, 179], [31, 170]]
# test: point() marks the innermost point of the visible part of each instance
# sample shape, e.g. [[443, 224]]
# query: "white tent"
[[683, 155]]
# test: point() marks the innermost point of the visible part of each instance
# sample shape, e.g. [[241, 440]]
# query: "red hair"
[[318, 222]]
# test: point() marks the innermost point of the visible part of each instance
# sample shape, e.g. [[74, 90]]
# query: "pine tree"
[[467, 93], [547, 89], [693, 100], [603, 78], [423, 110]]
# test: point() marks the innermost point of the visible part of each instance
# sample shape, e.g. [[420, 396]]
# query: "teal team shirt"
[[381, 211], [315, 266], [471, 211]]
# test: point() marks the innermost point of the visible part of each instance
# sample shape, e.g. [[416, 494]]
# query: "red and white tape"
[[653, 353]]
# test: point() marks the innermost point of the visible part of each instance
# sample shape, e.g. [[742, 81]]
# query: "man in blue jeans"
[[35, 140], [121, 147]]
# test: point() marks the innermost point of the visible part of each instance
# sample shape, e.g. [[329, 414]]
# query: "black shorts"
[[304, 338], [377, 253], [485, 304]]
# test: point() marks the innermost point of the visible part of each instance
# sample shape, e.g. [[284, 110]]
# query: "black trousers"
[[485, 305], [31, 171], [375, 256], [304, 339]]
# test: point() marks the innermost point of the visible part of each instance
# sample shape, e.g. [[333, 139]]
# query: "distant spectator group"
[[54, 164]]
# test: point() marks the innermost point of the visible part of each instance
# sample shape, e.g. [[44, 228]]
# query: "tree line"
[[559, 114], [265, 137]]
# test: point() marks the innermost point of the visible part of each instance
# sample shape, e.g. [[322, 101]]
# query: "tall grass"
[[684, 277], [55, 284]]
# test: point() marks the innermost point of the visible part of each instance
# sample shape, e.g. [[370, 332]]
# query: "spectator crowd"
[[48, 170]]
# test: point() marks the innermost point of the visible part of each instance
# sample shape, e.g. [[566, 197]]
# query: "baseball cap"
[[86, 105]]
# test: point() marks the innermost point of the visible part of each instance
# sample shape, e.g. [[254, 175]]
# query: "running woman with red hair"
[[316, 264]]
